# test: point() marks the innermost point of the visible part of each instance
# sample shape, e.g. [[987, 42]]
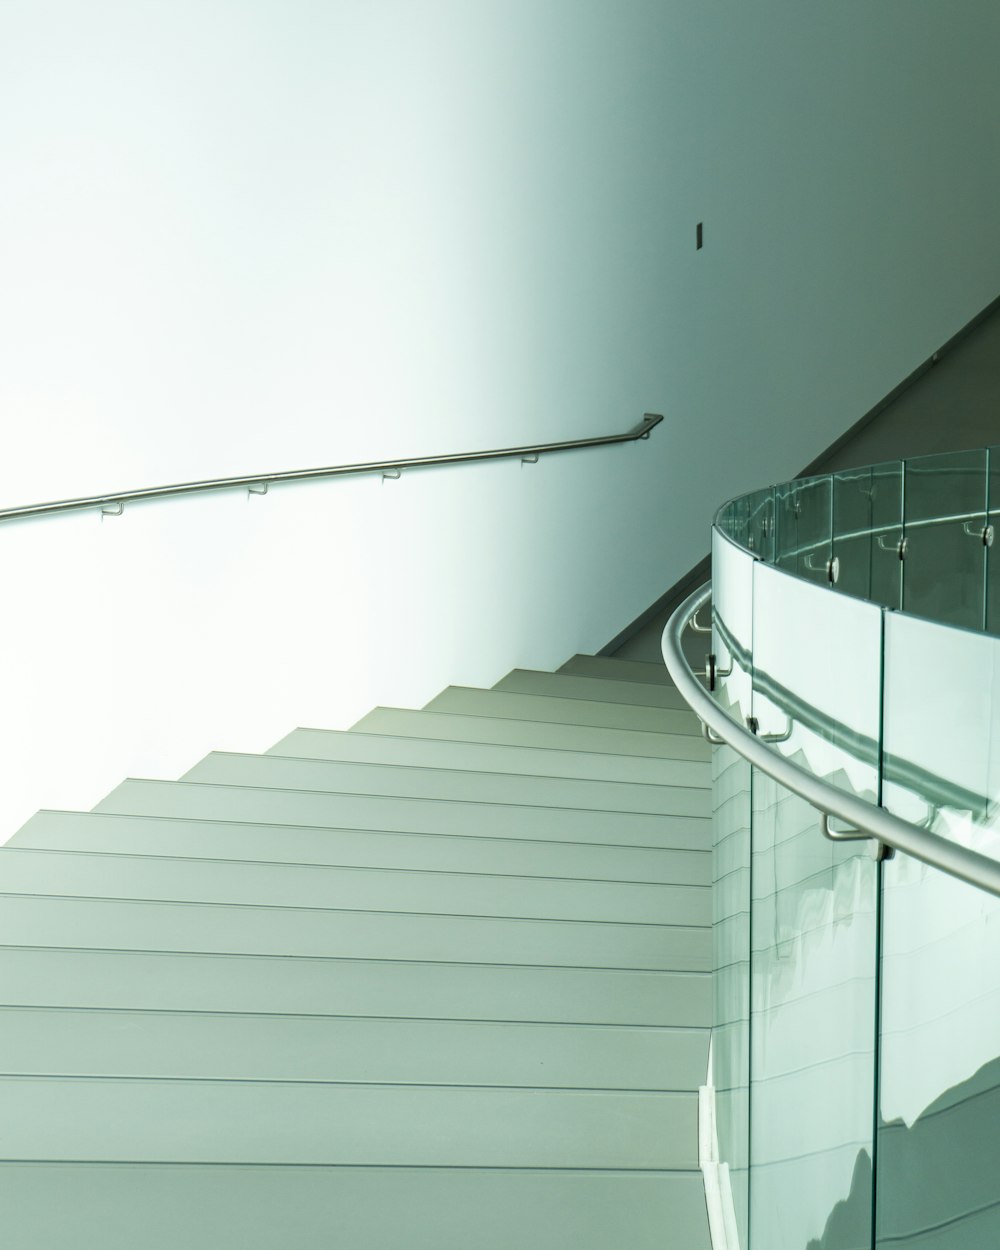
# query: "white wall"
[[245, 236]]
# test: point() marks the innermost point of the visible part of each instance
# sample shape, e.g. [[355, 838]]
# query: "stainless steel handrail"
[[870, 821], [649, 421]]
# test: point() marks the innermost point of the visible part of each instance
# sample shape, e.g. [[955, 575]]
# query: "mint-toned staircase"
[[440, 982]]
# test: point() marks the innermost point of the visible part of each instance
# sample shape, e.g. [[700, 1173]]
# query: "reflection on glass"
[[760, 523], [817, 671], [939, 1094], [731, 938], [852, 536], [992, 545], [941, 766], [804, 527], [816, 694], [867, 531], [887, 534], [732, 646], [732, 625], [732, 521], [945, 521], [812, 1030], [940, 1073]]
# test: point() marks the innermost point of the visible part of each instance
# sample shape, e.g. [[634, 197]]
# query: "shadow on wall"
[[937, 1180]]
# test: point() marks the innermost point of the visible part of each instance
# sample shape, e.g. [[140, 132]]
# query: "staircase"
[[436, 983]]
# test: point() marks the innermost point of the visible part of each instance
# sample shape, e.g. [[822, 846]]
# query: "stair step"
[[32, 920], [259, 1208], [178, 1045], [527, 733], [456, 960], [74, 977], [203, 801], [599, 689], [331, 776], [499, 703], [348, 848], [617, 670], [375, 748], [277, 1122], [347, 890]]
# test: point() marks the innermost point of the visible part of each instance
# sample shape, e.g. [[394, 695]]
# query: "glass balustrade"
[[856, 1055]]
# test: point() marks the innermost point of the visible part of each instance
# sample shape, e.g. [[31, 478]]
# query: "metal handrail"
[[248, 481], [866, 819]]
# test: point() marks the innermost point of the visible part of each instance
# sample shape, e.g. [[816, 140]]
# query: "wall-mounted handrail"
[[248, 481], [864, 817]]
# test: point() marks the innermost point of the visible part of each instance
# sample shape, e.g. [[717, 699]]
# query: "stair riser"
[[289, 1048], [114, 924], [498, 703], [616, 670], [260, 1208], [489, 729], [273, 885], [570, 686], [232, 1122], [345, 987], [447, 784], [102, 833], [364, 748], [208, 802]]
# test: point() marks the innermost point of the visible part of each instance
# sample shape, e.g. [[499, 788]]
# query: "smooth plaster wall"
[[246, 236]]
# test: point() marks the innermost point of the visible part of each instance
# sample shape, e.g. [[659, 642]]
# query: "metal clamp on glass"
[[887, 543], [979, 529], [712, 670], [851, 835], [830, 567], [754, 726]]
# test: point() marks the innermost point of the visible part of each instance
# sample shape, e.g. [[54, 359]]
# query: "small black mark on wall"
[[699, 236]]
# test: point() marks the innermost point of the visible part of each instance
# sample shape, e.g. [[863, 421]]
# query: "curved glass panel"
[[945, 520], [939, 1094], [804, 527], [873, 983], [867, 532], [942, 730], [939, 1084], [732, 646], [992, 623], [812, 922]]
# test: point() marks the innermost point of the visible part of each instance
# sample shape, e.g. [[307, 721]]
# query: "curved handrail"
[[649, 421], [867, 819]]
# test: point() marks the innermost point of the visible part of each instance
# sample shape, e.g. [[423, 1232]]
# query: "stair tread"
[[580, 686], [43, 920], [286, 1122], [550, 708], [109, 875], [416, 781], [78, 976], [493, 729], [490, 919], [616, 669], [204, 800], [349, 848], [358, 1050], [256, 1208], [453, 753]]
